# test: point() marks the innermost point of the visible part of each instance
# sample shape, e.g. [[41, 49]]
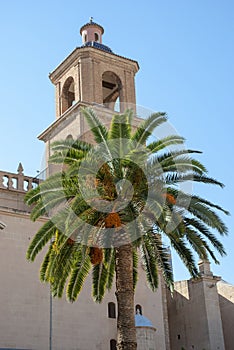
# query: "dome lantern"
[[91, 32]]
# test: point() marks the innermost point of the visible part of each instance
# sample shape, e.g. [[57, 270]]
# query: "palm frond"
[[99, 275], [173, 178], [209, 204], [167, 141], [177, 161], [42, 237], [64, 145], [199, 245], [130, 116], [200, 227], [32, 196], [45, 264], [207, 215], [78, 275], [162, 257], [109, 260], [135, 267], [146, 128], [185, 254], [61, 268], [98, 129], [149, 263], [119, 128]]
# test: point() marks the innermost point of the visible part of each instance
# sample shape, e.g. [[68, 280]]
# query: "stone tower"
[[92, 75]]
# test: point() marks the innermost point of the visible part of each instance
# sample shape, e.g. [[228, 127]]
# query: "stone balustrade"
[[17, 181]]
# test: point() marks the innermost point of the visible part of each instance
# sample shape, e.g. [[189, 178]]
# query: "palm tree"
[[115, 199]]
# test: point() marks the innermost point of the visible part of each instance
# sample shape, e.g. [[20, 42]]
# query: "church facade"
[[201, 313]]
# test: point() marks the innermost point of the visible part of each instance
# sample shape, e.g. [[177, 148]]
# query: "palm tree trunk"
[[126, 331]]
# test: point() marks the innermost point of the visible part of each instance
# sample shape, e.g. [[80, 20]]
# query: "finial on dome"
[[91, 32]]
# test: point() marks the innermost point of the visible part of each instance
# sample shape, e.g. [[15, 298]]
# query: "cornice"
[[19, 213], [90, 52], [69, 114], [205, 278]]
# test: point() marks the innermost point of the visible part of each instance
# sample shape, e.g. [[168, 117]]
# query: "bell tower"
[[92, 75]]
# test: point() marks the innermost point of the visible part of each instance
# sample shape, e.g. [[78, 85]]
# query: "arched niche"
[[68, 94], [69, 137], [113, 344], [111, 310], [138, 309], [111, 90]]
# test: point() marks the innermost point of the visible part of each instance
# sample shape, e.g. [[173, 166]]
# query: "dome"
[[142, 321], [97, 46], [91, 24], [91, 33]]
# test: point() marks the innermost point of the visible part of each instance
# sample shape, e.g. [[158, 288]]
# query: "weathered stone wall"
[[146, 338], [24, 301], [194, 315], [226, 302], [86, 66]]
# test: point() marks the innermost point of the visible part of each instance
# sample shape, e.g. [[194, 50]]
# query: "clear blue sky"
[[185, 50]]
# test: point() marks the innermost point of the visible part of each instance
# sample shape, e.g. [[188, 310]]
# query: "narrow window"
[[96, 37], [113, 344], [138, 309], [111, 310]]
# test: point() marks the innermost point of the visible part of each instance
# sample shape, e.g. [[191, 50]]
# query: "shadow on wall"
[[182, 320], [189, 310], [227, 316]]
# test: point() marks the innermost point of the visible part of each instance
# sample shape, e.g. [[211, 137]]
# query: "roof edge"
[[52, 75]]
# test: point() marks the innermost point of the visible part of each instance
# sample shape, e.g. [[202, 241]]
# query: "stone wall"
[[146, 338], [226, 302], [194, 316]]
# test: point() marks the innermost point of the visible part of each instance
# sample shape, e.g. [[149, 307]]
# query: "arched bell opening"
[[68, 94], [112, 91]]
